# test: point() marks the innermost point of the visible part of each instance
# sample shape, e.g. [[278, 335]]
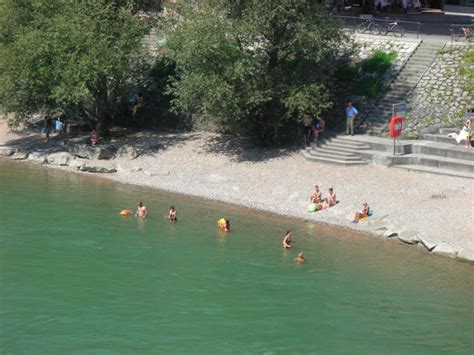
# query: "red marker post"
[[396, 126]]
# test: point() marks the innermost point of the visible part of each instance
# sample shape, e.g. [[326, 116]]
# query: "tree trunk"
[[103, 109]]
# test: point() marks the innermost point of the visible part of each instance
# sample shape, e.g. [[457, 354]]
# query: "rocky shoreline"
[[414, 208]]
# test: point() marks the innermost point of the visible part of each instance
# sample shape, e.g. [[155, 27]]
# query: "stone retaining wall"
[[441, 97], [404, 47]]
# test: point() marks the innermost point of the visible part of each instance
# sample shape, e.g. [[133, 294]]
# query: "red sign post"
[[396, 126]]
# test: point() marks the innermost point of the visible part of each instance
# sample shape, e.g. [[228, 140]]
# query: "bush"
[[366, 78]]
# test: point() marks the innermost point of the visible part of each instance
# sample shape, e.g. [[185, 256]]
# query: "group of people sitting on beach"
[[318, 203]]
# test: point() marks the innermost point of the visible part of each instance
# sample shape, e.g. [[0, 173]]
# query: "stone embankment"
[[444, 93]]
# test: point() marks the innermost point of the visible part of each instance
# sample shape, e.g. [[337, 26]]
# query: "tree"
[[254, 66], [78, 56]]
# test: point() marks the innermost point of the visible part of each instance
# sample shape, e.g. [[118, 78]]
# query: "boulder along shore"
[[434, 211]]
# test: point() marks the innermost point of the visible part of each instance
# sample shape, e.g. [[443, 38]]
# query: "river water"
[[76, 278]]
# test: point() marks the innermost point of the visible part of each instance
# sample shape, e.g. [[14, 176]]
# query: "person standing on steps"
[[318, 128], [351, 113]]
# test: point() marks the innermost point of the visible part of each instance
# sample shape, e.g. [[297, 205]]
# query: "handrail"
[[458, 30], [353, 21]]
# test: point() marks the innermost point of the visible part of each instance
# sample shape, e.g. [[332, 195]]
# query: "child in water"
[[172, 215], [300, 258]]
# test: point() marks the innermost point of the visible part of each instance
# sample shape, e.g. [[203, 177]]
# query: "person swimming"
[[287, 240], [300, 258], [172, 215], [224, 224], [142, 212]]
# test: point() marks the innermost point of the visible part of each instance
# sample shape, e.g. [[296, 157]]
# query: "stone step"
[[438, 138], [344, 142], [437, 171], [415, 65], [442, 163], [447, 130], [421, 58], [333, 150], [334, 155], [445, 150], [332, 160]]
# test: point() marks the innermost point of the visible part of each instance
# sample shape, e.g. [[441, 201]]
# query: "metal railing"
[[353, 22], [461, 32]]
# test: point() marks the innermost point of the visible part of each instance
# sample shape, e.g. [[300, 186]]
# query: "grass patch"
[[366, 78]]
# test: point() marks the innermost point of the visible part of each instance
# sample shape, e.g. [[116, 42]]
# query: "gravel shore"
[[432, 210]]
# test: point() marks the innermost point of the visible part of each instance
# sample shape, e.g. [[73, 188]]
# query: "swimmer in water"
[[300, 258], [287, 240], [172, 215], [227, 226], [142, 212]]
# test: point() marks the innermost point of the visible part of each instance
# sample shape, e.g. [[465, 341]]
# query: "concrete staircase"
[[419, 155], [336, 150], [377, 120]]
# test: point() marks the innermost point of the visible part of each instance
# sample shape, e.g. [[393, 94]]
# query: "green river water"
[[78, 279]]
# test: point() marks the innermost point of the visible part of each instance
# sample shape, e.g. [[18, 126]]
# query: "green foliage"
[[466, 69], [254, 66], [78, 56], [366, 77]]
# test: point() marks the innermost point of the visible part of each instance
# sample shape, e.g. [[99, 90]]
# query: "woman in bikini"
[[364, 213]]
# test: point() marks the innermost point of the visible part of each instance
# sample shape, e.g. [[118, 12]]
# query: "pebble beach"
[[435, 211]]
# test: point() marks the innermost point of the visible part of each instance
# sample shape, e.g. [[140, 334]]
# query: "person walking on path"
[[48, 123], [351, 113]]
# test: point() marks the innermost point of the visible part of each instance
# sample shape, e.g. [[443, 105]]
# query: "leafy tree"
[[255, 66], [79, 56]]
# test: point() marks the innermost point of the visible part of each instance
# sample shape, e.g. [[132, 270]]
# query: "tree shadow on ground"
[[240, 149], [149, 143], [152, 142]]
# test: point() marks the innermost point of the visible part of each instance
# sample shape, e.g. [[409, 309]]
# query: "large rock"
[[92, 153], [444, 249], [38, 157], [409, 237], [466, 254], [76, 164], [94, 168], [20, 156], [7, 151], [60, 158], [428, 244], [127, 152]]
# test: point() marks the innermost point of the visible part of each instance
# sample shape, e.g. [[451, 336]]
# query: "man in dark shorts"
[[308, 129]]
